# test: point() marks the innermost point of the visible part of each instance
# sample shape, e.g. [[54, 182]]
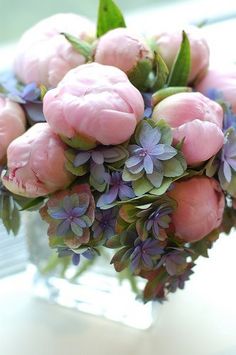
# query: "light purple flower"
[[228, 157], [72, 213], [17, 92], [148, 154], [97, 157], [104, 224], [89, 254], [117, 188], [144, 254], [159, 219]]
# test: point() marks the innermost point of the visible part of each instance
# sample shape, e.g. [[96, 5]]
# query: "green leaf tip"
[[109, 17], [181, 68]]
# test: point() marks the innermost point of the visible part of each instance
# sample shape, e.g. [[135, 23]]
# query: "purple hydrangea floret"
[[159, 219], [117, 189], [147, 98], [19, 93], [144, 252], [72, 213], [148, 154], [76, 255], [104, 223], [97, 157], [228, 157]]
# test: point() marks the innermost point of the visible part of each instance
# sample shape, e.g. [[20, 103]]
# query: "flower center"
[[143, 153]]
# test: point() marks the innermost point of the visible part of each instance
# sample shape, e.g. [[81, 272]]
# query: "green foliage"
[[201, 247], [180, 70], [109, 17], [80, 46], [139, 75], [163, 93], [9, 213], [162, 72], [79, 142]]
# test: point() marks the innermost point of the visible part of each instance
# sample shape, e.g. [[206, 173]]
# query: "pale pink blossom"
[[196, 119], [223, 81], [94, 101], [122, 48], [168, 43], [44, 55], [12, 124], [200, 207], [36, 163]]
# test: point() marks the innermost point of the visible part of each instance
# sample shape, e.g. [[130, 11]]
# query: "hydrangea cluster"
[[123, 153]]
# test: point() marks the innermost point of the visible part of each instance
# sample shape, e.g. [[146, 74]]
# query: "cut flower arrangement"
[[120, 141]]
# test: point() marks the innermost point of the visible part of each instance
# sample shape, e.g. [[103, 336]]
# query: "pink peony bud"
[[122, 49], [12, 124], [44, 56], [223, 81], [36, 163], [96, 102], [196, 119], [200, 207], [168, 44]]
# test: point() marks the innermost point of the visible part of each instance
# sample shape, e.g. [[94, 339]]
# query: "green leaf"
[[96, 185], [163, 188], [201, 247], [141, 186], [120, 264], [32, 203], [161, 94], [180, 70], [128, 213], [43, 91], [173, 167], [139, 75], [6, 213], [114, 242], [162, 72], [154, 287], [212, 166], [79, 142], [127, 176], [79, 171], [80, 46], [141, 230], [9, 214], [109, 17], [166, 134], [15, 225]]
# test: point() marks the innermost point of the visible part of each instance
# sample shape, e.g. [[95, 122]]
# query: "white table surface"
[[200, 320]]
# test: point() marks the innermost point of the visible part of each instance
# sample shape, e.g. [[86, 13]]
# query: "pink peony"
[[223, 81], [44, 56], [200, 207], [96, 102], [12, 124], [168, 43], [36, 163], [196, 119], [122, 49]]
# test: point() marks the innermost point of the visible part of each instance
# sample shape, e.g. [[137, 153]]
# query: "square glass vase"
[[96, 291]]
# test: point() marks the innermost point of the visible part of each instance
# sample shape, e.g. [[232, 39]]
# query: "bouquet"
[[120, 141]]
